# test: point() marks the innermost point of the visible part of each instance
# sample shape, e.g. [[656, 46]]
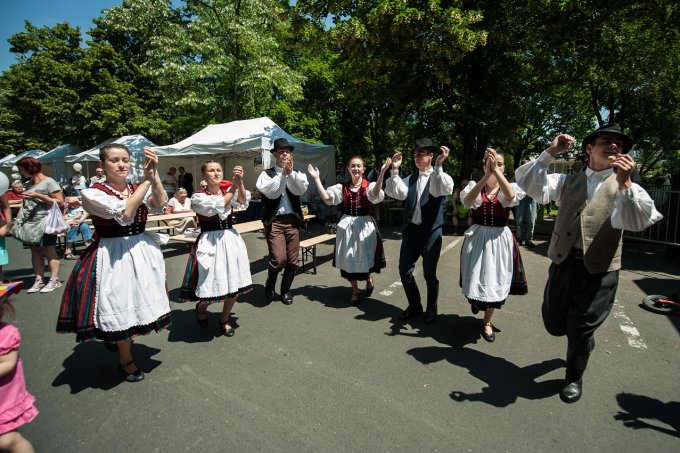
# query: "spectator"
[[75, 216], [98, 178], [178, 204], [186, 181], [16, 192], [170, 182], [39, 196], [78, 183]]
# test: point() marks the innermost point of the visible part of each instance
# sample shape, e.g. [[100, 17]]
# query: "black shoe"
[[287, 298], [202, 322], [369, 290], [411, 312], [474, 308], [226, 331], [490, 337], [520, 242], [135, 376], [571, 392], [530, 244]]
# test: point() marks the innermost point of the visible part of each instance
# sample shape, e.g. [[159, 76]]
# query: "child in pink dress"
[[16, 404]]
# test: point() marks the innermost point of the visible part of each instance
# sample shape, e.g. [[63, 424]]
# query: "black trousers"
[[576, 302]]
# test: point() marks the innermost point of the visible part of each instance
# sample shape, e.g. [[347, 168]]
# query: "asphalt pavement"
[[322, 375]]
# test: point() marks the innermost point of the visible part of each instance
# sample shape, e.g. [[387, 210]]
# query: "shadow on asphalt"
[[640, 411], [505, 381], [185, 329], [92, 366]]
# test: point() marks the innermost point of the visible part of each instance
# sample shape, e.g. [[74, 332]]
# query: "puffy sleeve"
[[510, 202], [466, 190], [209, 205], [106, 206], [335, 193], [371, 198], [10, 338]]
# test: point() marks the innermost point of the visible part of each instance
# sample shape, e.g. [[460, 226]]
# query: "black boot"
[[573, 380], [286, 282], [414, 308], [270, 285], [431, 311]]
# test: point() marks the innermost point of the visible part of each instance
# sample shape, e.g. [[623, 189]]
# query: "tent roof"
[[246, 138], [29, 153], [135, 143], [57, 154]]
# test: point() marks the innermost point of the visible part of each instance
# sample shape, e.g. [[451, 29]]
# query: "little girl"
[[16, 404]]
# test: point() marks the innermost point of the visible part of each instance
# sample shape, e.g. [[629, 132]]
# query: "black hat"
[[613, 129], [425, 143], [282, 143]]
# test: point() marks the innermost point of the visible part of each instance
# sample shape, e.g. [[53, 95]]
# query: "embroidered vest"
[[355, 203], [109, 228], [271, 205], [431, 208], [588, 223]]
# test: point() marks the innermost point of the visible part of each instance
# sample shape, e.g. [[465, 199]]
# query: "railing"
[[666, 231]]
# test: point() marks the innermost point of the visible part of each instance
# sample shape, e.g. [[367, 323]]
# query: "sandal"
[[135, 376], [203, 322], [70, 256]]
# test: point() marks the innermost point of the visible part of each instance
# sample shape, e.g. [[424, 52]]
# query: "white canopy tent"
[[245, 143], [8, 163], [135, 143], [53, 161]]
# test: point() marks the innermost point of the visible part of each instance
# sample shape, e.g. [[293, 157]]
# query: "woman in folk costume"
[[358, 246], [218, 268], [117, 289], [490, 264]]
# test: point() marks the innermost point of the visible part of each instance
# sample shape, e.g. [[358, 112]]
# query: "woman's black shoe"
[[135, 376], [226, 331], [202, 322], [490, 337]]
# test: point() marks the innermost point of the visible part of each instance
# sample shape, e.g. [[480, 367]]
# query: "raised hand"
[[313, 171], [386, 165], [150, 164], [396, 160], [623, 165], [288, 168], [560, 144], [443, 156], [237, 175]]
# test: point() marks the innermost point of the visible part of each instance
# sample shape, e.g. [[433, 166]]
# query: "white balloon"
[[15, 169], [4, 183], [16, 176], [77, 167]]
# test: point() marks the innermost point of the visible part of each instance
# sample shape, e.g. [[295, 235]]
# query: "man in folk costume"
[[595, 206], [425, 194], [281, 188]]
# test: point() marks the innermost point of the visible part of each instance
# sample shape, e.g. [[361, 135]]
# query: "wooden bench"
[[308, 250]]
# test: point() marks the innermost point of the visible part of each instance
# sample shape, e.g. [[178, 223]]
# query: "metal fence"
[[665, 231]]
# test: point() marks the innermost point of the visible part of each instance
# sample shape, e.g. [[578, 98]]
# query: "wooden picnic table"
[[242, 228]]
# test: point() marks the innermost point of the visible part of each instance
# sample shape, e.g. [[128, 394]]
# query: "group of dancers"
[[117, 290]]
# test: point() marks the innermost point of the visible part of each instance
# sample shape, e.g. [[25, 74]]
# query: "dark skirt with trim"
[[76, 314], [187, 292]]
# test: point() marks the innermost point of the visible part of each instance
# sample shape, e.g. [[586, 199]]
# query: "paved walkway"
[[320, 375]]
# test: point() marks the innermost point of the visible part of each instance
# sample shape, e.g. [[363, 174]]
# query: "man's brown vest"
[[589, 222]]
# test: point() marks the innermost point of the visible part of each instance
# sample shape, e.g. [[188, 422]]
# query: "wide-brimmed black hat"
[[425, 143], [282, 143], [612, 129]]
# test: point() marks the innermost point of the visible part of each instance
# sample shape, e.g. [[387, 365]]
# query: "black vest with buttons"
[[431, 208], [109, 228], [271, 205]]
